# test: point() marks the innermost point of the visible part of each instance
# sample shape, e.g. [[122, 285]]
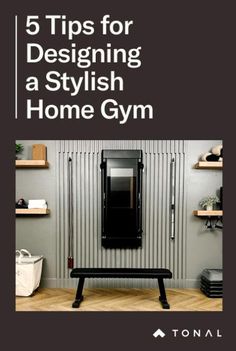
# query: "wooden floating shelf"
[[209, 165], [32, 164], [32, 211], [202, 213]]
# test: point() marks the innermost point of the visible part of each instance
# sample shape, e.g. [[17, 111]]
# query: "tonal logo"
[[159, 332], [189, 333]]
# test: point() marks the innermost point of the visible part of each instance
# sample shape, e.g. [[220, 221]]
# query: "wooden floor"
[[117, 300]]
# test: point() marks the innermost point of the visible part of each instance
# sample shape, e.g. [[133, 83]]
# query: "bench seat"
[[146, 273]]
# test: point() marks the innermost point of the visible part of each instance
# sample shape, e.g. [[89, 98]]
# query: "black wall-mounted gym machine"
[[122, 198]]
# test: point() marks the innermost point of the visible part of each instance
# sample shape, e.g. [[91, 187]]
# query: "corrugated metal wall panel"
[[158, 250]]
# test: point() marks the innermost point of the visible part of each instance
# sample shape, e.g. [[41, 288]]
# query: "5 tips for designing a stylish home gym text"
[[85, 61]]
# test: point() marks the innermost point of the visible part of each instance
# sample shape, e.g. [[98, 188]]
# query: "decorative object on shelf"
[[214, 216], [209, 202], [39, 152], [37, 204], [216, 154], [19, 149], [21, 203]]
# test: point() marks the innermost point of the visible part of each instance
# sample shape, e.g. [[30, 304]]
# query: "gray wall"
[[204, 246], [38, 233], [44, 235]]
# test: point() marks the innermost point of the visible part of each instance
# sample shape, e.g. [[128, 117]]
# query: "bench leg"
[[162, 296], [79, 296]]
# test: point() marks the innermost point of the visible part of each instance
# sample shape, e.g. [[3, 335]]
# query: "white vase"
[[209, 207]]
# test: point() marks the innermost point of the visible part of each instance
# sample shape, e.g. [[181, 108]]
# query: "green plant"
[[19, 148], [208, 201]]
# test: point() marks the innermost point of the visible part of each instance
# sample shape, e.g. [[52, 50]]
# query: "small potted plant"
[[208, 202], [19, 149]]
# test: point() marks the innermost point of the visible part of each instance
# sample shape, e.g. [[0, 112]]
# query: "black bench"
[[152, 273]]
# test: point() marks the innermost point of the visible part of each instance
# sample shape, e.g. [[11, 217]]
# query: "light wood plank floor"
[[45, 299]]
